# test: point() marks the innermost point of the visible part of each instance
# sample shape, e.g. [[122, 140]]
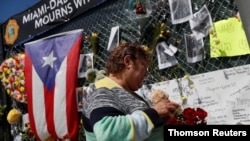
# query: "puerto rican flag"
[[51, 68]]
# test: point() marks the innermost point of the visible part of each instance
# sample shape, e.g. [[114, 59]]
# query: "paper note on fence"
[[228, 39]]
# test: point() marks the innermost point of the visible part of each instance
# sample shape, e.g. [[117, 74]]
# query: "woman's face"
[[136, 74]]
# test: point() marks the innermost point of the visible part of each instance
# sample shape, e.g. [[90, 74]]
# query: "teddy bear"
[[92, 75], [158, 95]]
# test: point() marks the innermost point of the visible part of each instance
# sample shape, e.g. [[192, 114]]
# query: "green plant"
[[2, 109]]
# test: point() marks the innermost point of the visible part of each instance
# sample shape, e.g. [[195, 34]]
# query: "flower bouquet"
[[189, 116]]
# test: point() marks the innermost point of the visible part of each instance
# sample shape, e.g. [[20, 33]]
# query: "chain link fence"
[[112, 13]]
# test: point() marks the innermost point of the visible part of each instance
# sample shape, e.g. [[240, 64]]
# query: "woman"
[[114, 112]]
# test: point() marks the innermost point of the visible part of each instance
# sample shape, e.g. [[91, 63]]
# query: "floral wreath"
[[12, 77]]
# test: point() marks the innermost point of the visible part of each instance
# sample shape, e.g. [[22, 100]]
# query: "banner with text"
[[43, 16]]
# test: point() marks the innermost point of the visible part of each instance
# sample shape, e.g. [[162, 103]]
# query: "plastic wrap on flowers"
[[12, 77], [139, 11]]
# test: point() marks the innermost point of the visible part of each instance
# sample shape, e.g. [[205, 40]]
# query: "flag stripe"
[[49, 108], [38, 101], [71, 88], [28, 90], [60, 101]]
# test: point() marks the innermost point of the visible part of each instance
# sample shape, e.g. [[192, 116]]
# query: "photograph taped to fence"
[[201, 23], [164, 59], [194, 48], [85, 63], [171, 50], [181, 11]]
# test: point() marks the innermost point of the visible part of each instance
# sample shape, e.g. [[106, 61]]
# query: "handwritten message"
[[228, 39], [224, 94]]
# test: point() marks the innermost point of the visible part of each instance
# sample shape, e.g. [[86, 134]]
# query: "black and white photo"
[[181, 11], [194, 48], [171, 50], [164, 59], [201, 22], [85, 63]]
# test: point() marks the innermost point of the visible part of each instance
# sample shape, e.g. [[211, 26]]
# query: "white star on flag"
[[49, 60]]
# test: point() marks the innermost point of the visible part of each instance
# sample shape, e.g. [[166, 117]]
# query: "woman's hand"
[[166, 108]]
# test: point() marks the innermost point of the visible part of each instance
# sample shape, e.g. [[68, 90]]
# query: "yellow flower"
[[123, 42], [22, 74], [183, 99], [8, 71], [168, 32], [146, 48], [22, 55], [22, 89], [11, 59], [94, 35], [191, 86], [17, 83], [187, 76], [163, 25]]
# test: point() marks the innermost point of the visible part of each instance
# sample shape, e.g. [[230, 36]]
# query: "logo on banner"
[[11, 32]]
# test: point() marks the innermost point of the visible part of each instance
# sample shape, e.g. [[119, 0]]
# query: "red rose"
[[189, 114], [173, 121], [201, 113], [190, 122]]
